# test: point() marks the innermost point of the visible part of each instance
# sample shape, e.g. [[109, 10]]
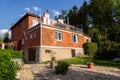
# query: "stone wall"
[[59, 53]]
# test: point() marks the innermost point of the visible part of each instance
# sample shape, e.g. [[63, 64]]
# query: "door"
[[73, 52], [31, 54]]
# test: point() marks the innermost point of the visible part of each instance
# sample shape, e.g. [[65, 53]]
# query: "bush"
[[108, 51], [62, 67], [90, 49], [7, 67], [12, 53]]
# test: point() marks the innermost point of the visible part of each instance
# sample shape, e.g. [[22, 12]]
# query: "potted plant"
[[90, 49], [90, 63]]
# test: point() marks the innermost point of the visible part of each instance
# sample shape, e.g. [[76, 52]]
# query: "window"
[[30, 36], [47, 51], [87, 40], [34, 34], [24, 33], [35, 22], [75, 38], [58, 35], [22, 41]]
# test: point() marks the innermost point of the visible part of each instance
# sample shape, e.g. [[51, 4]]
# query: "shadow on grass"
[[49, 74]]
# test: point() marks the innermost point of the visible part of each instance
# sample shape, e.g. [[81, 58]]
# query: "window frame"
[[34, 22], [58, 36], [75, 38]]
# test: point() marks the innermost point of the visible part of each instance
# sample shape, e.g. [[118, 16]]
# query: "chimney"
[[60, 20], [46, 19]]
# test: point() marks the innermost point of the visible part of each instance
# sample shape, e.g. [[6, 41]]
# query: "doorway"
[[73, 52], [31, 54]]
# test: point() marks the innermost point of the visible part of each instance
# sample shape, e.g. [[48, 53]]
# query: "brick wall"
[[34, 41], [48, 39]]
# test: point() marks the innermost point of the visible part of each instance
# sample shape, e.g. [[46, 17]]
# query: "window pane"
[[75, 38], [58, 35]]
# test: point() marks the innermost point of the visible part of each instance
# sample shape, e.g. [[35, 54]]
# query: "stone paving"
[[75, 72]]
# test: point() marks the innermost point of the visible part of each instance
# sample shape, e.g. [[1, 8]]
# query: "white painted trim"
[[40, 55], [58, 47]]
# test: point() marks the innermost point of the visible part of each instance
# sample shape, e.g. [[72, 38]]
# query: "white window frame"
[[22, 41], [58, 36], [30, 36], [75, 38]]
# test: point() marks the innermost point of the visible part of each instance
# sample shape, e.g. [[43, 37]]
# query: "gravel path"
[[75, 72]]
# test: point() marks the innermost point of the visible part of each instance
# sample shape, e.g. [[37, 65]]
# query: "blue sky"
[[13, 10]]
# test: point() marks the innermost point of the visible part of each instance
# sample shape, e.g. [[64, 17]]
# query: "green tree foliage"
[[1, 40], [6, 38], [83, 17], [62, 15], [73, 16], [7, 67], [90, 49], [101, 12]]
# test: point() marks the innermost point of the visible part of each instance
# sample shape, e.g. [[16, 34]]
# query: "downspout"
[[41, 42]]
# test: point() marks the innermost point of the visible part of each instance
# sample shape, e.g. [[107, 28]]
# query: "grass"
[[83, 60]]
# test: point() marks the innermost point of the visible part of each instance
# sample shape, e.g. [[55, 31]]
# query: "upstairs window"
[[30, 36], [35, 22], [34, 34], [24, 33], [58, 35], [22, 41], [75, 38]]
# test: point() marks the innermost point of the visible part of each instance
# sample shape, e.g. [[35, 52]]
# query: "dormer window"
[[35, 22]]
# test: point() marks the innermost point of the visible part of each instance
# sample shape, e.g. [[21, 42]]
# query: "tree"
[[101, 15], [90, 49], [83, 18], [6, 37], [73, 16], [62, 15], [1, 40]]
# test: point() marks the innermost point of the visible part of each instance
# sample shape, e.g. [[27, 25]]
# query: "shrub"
[[90, 49], [62, 67], [108, 51], [12, 53], [7, 67]]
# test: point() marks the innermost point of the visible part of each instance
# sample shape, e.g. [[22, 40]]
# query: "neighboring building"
[[40, 38]]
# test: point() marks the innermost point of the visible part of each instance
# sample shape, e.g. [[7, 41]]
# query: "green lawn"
[[83, 60]]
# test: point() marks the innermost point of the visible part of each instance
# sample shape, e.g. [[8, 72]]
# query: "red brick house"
[[40, 38]]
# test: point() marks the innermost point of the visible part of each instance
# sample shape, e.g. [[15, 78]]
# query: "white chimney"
[[60, 20]]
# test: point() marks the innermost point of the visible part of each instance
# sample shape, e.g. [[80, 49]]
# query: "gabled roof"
[[26, 15]]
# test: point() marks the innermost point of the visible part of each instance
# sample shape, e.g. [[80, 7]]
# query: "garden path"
[[75, 72]]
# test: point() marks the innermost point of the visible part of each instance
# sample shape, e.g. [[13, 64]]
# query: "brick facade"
[[37, 37]]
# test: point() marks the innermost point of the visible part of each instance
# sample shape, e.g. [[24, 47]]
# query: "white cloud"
[[56, 13], [36, 9], [27, 9], [3, 31]]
